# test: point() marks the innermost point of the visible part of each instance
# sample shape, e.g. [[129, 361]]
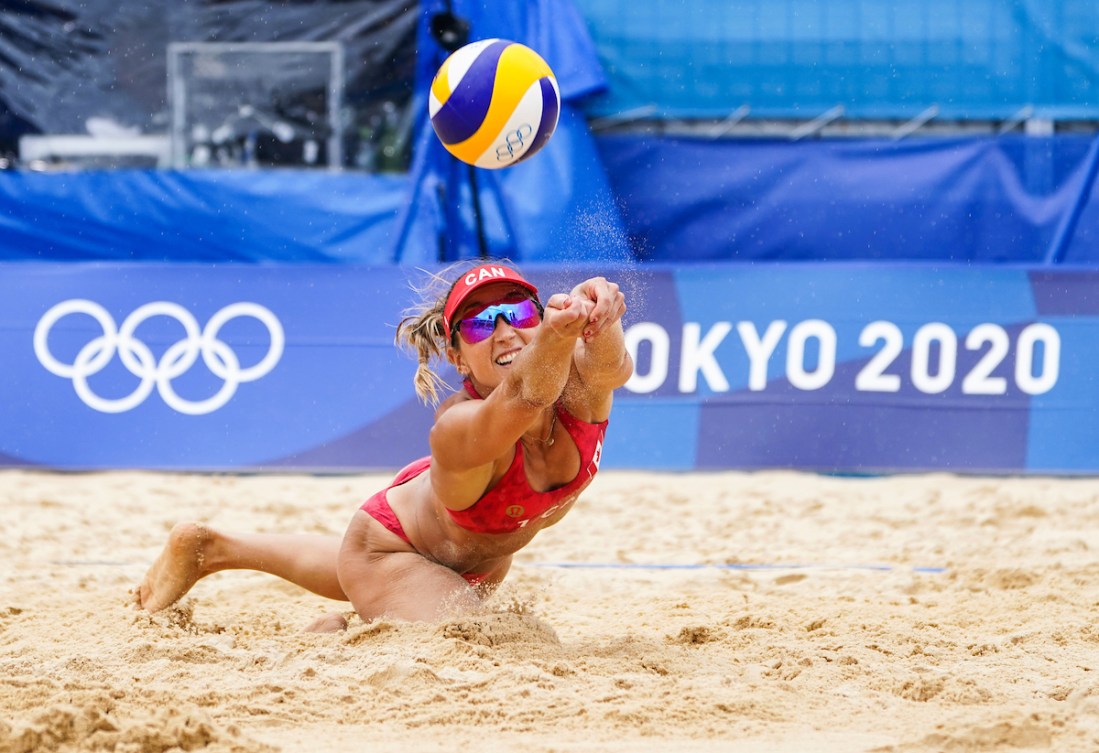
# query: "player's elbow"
[[623, 372], [609, 375]]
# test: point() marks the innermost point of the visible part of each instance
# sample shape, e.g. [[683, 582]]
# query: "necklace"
[[548, 441]]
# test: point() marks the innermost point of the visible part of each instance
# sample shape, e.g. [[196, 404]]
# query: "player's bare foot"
[[179, 566], [329, 623]]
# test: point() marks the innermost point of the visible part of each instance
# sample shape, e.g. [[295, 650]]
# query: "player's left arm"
[[601, 360]]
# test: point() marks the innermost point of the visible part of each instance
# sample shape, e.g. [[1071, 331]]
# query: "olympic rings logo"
[[512, 142], [139, 360]]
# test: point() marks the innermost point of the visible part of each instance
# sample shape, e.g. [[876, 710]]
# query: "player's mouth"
[[507, 358]]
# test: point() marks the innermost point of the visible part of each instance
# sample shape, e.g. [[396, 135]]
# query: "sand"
[[809, 613]]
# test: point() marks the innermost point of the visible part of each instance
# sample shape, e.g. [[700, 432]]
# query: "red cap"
[[478, 277]]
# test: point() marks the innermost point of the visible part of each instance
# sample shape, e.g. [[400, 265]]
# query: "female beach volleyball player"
[[510, 453]]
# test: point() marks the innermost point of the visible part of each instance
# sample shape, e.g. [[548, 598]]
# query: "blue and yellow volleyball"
[[494, 103]]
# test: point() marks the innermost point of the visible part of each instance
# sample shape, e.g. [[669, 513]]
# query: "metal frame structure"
[[177, 88], [833, 123]]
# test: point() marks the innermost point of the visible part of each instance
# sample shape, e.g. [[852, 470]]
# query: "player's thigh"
[[381, 581], [406, 586]]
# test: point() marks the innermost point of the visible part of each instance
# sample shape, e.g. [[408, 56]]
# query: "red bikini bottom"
[[378, 508]]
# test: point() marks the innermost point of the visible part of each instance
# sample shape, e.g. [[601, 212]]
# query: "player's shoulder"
[[456, 399]]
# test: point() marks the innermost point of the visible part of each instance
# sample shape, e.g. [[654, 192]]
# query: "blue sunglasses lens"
[[522, 314]]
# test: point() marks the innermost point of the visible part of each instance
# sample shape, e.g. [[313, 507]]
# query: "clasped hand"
[[589, 309]]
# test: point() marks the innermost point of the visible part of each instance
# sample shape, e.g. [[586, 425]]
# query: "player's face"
[[492, 327]]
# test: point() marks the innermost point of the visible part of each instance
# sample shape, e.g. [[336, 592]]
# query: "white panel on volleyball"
[[461, 60], [518, 133]]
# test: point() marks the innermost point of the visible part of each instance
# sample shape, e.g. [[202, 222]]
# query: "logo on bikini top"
[[514, 511]]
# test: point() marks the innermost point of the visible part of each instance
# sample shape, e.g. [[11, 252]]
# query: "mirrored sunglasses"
[[479, 325]]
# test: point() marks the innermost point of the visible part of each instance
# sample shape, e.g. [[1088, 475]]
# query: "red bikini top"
[[511, 504]]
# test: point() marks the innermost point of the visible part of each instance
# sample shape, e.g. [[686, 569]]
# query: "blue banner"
[[837, 367], [865, 368], [177, 366]]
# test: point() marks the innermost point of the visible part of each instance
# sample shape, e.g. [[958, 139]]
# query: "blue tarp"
[[973, 199], [963, 200], [199, 216]]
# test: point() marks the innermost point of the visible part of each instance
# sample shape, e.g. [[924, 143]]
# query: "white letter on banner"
[[759, 350], [795, 354], [979, 380], [658, 362], [872, 376], [1029, 338], [698, 355], [922, 378]]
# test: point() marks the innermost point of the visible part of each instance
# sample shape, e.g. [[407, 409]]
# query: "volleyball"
[[494, 103]]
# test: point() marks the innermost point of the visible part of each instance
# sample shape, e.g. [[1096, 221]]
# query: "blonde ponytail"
[[423, 332]]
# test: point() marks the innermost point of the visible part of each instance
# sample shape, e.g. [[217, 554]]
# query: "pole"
[[478, 215]]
